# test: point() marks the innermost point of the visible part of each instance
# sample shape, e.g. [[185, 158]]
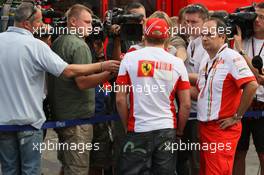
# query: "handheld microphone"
[[257, 63]]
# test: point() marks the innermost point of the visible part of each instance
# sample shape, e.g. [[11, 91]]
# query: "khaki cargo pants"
[[74, 149]]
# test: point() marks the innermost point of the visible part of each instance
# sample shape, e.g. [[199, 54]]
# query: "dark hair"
[[197, 8], [133, 5], [219, 24], [220, 14], [156, 41], [260, 5]]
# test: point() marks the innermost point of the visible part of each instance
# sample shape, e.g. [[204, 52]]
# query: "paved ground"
[[51, 166]]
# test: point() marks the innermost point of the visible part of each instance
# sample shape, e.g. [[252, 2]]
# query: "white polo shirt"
[[250, 45], [155, 76], [220, 93], [171, 49], [23, 63]]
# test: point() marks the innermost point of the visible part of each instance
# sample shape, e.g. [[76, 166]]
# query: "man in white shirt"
[[23, 63], [152, 77], [193, 17], [224, 91]]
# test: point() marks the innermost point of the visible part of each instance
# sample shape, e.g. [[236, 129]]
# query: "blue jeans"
[[17, 156], [147, 153]]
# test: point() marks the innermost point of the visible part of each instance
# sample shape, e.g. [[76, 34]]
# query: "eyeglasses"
[[194, 8]]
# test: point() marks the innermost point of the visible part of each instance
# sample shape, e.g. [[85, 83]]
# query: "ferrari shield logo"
[[146, 68]]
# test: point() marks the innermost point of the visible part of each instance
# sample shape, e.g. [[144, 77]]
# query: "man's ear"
[[222, 36], [72, 21], [27, 25]]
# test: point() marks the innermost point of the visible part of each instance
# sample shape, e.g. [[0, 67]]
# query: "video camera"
[[98, 32], [131, 29], [244, 18]]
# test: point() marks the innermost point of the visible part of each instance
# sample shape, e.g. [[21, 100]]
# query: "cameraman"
[[114, 52], [116, 46], [250, 48]]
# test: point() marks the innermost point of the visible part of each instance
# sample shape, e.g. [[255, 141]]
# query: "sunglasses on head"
[[34, 9], [192, 8]]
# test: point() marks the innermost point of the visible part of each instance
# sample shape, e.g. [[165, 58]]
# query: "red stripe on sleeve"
[[123, 79], [182, 85], [243, 81]]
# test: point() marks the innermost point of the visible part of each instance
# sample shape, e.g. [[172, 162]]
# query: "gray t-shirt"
[[23, 63]]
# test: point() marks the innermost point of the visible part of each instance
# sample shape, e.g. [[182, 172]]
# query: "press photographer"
[[119, 44], [252, 50], [243, 17], [129, 24]]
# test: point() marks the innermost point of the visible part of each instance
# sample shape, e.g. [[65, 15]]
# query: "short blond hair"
[[76, 9], [162, 15]]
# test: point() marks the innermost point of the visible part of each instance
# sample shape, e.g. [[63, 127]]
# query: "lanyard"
[[206, 68], [253, 49], [207, 72], [192, 49]]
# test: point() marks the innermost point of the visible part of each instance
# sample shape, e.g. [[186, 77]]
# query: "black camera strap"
[[253, 49]]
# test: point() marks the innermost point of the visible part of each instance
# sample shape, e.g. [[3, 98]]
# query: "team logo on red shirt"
[[146, 68]]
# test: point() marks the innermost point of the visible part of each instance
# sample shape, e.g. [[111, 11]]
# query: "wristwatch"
[[242, 52], [237, 117]]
